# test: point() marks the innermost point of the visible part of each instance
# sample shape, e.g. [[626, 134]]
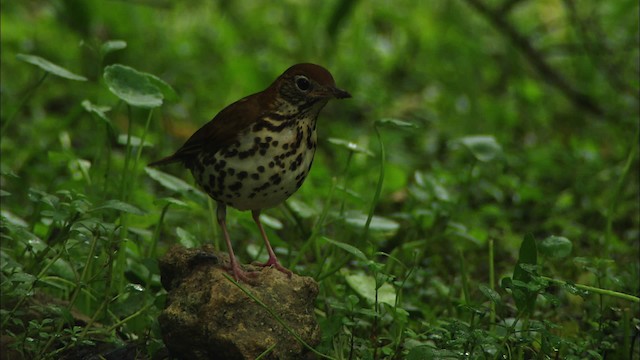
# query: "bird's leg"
[[235, 269], [273, 260]]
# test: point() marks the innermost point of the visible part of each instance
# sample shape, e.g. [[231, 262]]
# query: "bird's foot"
[[273, 262], [240, 275]]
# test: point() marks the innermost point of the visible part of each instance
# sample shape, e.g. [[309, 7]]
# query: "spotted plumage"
[[258, 151]]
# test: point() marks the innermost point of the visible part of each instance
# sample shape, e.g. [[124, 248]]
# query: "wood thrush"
[[257, 151]]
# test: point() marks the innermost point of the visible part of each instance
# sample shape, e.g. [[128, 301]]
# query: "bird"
[[256, 152]]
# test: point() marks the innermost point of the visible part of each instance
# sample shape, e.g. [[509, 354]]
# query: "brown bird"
[[257, 151]]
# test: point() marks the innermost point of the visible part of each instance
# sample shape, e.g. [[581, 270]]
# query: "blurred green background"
[[497, 119]]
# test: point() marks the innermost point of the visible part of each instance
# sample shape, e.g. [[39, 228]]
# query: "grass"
[[461, 205]]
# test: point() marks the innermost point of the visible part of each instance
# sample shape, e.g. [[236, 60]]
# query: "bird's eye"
[[302, 83]]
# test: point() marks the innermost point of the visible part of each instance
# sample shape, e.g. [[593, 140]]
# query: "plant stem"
[[127, 158], [23, 102], [492, 286], [142, 138], [622, 180], [376, 195], [465, 280], [345, 182], [317, 227], [596, 290]]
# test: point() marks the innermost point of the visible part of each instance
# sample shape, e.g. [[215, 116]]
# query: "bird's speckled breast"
[[267, 164]]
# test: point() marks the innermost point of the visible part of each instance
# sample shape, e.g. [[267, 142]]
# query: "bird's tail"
[[168, 160]]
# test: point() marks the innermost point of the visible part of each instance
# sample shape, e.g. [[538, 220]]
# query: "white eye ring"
[[302, 83]]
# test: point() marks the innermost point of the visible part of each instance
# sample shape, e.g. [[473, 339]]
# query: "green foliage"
[[132, 86], [526, 290], [50, 67], [475, 129]]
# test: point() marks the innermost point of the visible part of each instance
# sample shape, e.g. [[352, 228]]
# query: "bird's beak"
[[328, 92], [339, 94]]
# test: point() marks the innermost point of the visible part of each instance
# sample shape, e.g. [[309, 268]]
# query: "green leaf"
[[9, 172], [396, 123], [525, 298], [100, 111], [120, 206], [135, 141], [62, 268], [573, 289], [490, 294], [97, 110], [112, 45], [427, 352], [173, 201], [330, 326], [22, 277], [271, 222], [420, 353], [300, 208], [378, 223], [365, 286], [185, 238], [132, 86], [346, 247], [132, 299], [351, 146], [12, 218], [484, 148], [556, 247], [170, 182], [527, 255], [166, 89], [50, 67]]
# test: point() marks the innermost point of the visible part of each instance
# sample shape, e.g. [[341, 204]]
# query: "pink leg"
[[273, 260], [236, 271]]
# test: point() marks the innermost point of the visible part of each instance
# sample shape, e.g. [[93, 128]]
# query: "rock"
[[208, 317]]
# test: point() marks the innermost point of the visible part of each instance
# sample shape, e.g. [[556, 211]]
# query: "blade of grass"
[[317, 227], [492, 286], [465, 280], [376, 195], [622, 180], [24, 100]]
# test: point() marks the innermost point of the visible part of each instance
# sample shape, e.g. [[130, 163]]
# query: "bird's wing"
[[220, 132]]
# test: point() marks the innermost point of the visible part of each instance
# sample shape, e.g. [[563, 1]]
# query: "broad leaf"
[[484, 148], [556, 247], [365, 286], [166, 89], [132, 86]]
